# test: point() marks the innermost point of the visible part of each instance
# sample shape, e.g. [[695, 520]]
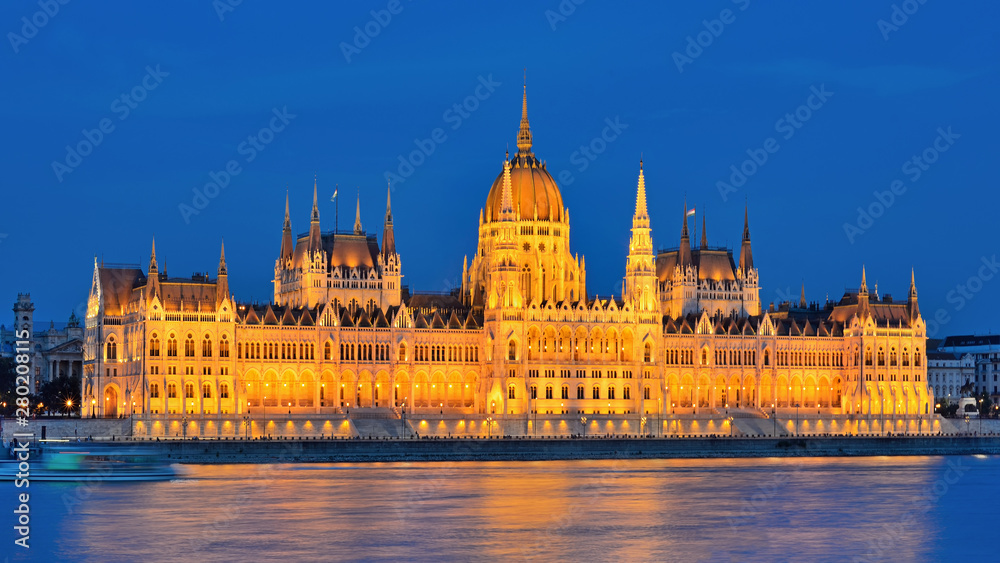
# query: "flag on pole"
[[334, 197], [690, 212]]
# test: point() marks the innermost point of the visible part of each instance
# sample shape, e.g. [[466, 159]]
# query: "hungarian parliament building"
[[521, 335]]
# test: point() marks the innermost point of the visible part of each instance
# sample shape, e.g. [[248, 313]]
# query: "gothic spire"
[[315, 209], [524, 135], [746, 251], [684, 253], [911, 301], [506, 198], [802, 296], [222, 259], [388, 236], [152, 259], [315, 239], [704, 235], [641, 217], [286, 233], [864, 282], [288, 217], [358, 230]]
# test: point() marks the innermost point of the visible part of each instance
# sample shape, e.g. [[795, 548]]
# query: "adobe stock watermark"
[[962, 294], [122, 107], [883, 547], [566, 8], [786, 126], [756, 504], [30, 26], [455, 116], [898, 17], [696, 44], [363, 35], [587, 153], [248, 149], [225, 7], [913, 169]]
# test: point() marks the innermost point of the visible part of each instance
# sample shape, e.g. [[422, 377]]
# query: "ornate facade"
[[521, 335]]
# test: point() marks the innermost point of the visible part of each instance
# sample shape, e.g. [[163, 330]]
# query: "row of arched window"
[[610, 394], [189, 346], [893, 359], [206, 390], [276, 350]]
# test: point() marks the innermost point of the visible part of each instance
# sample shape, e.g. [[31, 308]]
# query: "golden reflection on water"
[[664, 510]]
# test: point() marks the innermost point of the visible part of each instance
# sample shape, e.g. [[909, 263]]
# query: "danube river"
[[815, 509]]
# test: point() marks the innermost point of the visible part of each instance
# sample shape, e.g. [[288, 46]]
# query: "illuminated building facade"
[[521, 335]]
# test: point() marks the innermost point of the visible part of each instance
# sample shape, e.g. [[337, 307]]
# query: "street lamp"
[[583, 421], [774, 423]]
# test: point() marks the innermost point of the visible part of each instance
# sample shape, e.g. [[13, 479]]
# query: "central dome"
[[533, 190], [532, 187]]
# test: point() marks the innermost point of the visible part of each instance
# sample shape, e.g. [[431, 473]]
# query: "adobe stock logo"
[[913, 169]]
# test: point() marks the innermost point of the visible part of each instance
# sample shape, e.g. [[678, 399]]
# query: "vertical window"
[[596, 392], [154, 391], [579, 392], [154, 346], [206, 390], [512, 350], [565, 391], [171, 390], [611, 392], [645, 392], [534, 391], [189, 346], [224, 391], [510, 392], [548, 391], [112, 349], [224, 347]]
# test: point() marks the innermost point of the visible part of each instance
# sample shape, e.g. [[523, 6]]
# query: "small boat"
[[57, 460]]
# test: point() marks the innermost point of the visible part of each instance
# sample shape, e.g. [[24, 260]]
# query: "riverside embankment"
[[529, 449]]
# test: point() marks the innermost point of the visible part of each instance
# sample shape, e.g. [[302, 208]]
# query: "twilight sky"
[[844, 107]]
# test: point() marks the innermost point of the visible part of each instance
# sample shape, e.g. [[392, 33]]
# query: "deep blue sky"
[[354, 119]]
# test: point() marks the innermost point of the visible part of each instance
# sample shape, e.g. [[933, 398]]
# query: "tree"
[[984, 403], [8, 392], [61, 395]]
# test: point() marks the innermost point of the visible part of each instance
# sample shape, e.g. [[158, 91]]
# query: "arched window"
[[111, 352], [189, 346], [704, 356], [892, 356], [868, 355], [224, 347], [611, 393], [402, 351], [154, 390], [917, 358], [767, 357], [881, 356], [189, 390], [224, 391], [645, 392], [548, 391], [579, 392], [511, 392], [596, 392], [512, 350], [154, 346], [647, 355], [906, 357], [206, 347], [206, 390], [171, 390], [327, 351], [626, 392], [565, 392]]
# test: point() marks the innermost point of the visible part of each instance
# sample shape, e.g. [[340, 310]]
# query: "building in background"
[[986, 352], [520, 335], [56, 351], [947, 373]]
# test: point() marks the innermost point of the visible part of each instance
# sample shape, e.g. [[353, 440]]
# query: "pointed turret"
[[286, 234], [506, 198], [524, 134], [358, 230], [222, 283], [911, 301], [640, 285], [315, 241], [863, 299], [684, 252], [153, 275], [388, 237], [802, 297], [746, 252], [704, 233]]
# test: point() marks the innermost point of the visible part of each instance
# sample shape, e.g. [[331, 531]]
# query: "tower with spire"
[[640, 269], [222, 282]]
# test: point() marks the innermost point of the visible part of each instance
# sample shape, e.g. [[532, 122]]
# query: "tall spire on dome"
[[524, 135], [911, 301], [864, 282], [358, 230], [315, 209], [704, 234]]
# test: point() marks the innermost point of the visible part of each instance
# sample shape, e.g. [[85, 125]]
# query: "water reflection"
[[666, 510]]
